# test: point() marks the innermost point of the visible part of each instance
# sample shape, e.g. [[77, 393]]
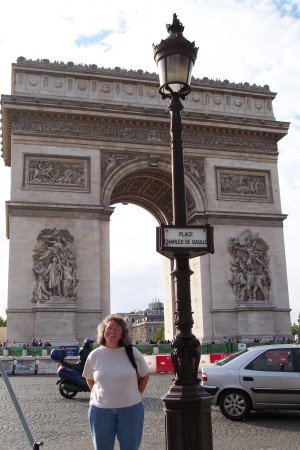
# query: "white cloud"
[[255, 41]]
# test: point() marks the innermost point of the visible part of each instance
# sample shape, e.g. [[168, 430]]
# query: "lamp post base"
[[188, 418]]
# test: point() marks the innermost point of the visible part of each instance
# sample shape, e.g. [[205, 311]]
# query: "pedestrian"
[[85, 351], [116, 407]]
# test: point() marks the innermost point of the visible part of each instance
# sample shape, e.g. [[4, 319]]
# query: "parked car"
[[262, 377]]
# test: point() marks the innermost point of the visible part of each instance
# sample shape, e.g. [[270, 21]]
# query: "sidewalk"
[[63, 424]]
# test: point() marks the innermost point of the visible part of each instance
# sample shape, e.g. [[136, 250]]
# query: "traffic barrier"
[[43, 365], [8, 364], [25, 365], [204, 360], [217, 356], [242, 346], [164, 364], [151, 361], [46, 366]]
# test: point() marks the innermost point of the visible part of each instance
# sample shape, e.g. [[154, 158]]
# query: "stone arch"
[[97, 147], [149, 187]]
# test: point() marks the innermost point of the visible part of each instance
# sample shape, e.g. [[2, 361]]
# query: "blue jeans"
[[125, 423]]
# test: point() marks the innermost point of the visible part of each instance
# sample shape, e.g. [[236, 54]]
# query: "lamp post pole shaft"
[[181, 272], [186, 405], [178, 179]]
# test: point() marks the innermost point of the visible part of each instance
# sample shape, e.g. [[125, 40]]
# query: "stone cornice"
[[237, 218], [87, 210], [132, 88], [146, 112], [27, 209], [30, 311], [93, 69], [251, 307]]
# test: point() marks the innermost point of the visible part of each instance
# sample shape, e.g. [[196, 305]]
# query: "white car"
[[262, 377]]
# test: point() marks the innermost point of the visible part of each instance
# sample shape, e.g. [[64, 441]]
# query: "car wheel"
[[235, 405], [65, 392]]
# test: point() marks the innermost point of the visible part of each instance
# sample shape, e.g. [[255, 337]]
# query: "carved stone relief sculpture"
[[238, 143], [196, 168], [112, 161], [243, 185], [250, 280], [54, 267], [56, 173]]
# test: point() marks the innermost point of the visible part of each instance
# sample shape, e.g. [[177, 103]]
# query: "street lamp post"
[[187, 405]]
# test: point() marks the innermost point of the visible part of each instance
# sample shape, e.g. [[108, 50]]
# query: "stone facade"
[[81, 138]]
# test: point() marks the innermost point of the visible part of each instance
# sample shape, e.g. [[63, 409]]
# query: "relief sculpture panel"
[[55, 267], [243, 185], [42, 172], [250, 280]]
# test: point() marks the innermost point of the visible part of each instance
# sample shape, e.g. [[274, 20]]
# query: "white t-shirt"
[[115, 378]]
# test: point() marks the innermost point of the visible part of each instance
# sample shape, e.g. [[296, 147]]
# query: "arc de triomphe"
[[80, 139]]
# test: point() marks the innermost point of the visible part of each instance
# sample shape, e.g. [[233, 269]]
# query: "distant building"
[[143, 324]]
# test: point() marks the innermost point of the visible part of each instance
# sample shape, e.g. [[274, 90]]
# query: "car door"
[[273, 377]]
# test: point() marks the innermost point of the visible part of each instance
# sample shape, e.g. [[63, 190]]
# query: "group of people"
[[151, 342], [34, 343], [116, 408], [39, 343]]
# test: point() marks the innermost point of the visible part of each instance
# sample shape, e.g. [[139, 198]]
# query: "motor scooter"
[[70, 375]]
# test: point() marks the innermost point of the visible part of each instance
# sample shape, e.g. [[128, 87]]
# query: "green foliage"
[[295, 329], [159, 334], [3, 322]]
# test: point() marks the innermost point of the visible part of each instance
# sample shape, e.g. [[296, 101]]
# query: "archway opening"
[[136, 269]]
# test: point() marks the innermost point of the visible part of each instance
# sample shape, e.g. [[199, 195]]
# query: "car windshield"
[[226, 360]]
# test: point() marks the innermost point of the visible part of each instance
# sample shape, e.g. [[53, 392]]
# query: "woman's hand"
[[143, 383], [90, 383]]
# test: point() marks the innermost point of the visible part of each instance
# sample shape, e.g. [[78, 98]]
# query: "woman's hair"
[[125, 339]]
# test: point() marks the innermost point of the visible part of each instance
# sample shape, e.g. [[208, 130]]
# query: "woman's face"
[[112, 334]]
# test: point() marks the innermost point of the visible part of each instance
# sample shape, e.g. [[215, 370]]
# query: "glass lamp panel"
[[162, 71], [175, 70], [190, 72]]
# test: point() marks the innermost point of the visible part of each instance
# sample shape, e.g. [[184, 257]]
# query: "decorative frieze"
[[250, 279], [56, 173], [240, 143], [117, 71], [233, 184], [101, 84]]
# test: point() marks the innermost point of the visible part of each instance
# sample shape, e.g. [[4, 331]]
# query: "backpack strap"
[[129, 352]]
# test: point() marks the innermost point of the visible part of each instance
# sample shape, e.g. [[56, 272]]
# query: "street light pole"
[[187, 405]]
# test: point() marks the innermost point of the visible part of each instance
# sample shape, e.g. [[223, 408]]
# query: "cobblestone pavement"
[[63, 424]]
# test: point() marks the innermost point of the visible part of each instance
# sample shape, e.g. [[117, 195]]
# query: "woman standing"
[[116, 407]]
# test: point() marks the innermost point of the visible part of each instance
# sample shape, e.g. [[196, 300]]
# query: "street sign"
[[191, 241]]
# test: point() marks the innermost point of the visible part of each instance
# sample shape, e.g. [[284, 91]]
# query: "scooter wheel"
[[65, 392]]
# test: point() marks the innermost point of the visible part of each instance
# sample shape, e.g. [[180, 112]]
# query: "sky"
[[254, 41]]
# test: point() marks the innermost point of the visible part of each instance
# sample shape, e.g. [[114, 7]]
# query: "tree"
[[3, 322], [295, 329], [159, 334]]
